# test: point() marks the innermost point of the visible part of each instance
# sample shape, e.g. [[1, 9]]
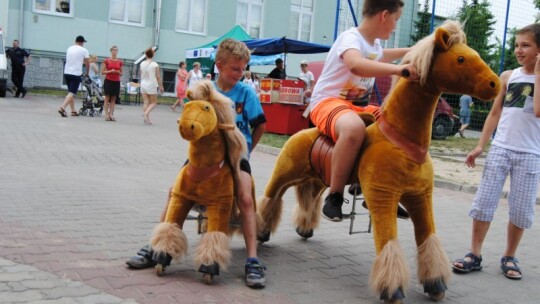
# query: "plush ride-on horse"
[[215, 150], [394, 164]]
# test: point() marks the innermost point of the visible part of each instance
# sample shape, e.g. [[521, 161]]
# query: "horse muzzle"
[[191, 130]]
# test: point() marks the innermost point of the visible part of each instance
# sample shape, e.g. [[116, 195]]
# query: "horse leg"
[[168, 240], [390, 273], [292, 168], [307, 214], [213, 251], [433, 270], [270, 206]]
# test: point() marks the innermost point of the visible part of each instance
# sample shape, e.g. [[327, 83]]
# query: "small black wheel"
[[160, 269], [436, 296], [207, 278]]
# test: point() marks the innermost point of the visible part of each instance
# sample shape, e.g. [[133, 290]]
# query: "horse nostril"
[[492, 84], [192, 127]]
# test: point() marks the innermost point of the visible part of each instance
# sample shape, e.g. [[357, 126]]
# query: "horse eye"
[[461, 59]]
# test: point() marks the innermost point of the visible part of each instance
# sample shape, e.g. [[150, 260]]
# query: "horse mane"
[[421, 54], [235, 142]]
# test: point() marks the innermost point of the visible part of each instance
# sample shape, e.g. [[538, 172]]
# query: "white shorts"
[[149, 89], [524, 171]]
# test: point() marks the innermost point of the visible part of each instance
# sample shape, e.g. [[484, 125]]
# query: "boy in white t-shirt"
[[76, 55], [308, 78], [514, 152], [356, 57]]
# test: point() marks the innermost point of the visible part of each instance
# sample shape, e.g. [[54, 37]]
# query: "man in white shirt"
[[76, 55]]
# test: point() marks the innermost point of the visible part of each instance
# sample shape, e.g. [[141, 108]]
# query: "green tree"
[[510, 61], [422, 24], [479, 26], [537, 5]]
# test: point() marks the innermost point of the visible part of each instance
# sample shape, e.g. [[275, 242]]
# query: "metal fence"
[[489, 24]]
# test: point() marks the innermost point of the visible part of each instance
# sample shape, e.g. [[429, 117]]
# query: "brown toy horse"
[[394, 164], [215, 150]]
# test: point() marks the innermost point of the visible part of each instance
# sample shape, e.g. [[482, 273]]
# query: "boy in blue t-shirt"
[[232, 58]]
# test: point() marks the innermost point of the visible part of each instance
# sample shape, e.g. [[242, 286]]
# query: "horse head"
[[211, 113], [198, 120], [445, 64], [457, 68]]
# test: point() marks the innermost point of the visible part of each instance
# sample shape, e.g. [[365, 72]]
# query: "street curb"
[[438, 183]]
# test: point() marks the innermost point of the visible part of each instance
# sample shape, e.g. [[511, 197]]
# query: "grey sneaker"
[[254, 275]]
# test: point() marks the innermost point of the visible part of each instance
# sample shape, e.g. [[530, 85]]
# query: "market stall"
[[202, 54], [282, 100]]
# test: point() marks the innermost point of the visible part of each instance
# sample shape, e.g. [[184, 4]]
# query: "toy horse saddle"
[[320, 155], [321, 160]]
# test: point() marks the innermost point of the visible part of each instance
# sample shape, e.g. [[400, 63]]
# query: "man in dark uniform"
[[19, 59], [279, 71]]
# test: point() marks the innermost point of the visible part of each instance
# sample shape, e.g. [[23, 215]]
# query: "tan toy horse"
[[394, 164], [215, 150]]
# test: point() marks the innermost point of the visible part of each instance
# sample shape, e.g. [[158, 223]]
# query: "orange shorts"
[[327, 112]]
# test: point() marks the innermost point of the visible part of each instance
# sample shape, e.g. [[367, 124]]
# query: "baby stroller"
[[92, 103]]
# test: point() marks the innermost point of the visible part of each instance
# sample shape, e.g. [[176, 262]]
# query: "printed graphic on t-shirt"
[[520, 95], [352, 91], [358, 87], [239, 106]]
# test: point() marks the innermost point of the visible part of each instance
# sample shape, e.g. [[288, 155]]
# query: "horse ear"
[[203, 90], [189, 94], [441, 39]]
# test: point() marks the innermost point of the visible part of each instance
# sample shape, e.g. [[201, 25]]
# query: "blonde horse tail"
[[169, 238], [390, 271], [213, 248]]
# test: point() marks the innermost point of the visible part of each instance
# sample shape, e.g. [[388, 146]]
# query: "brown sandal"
[[74, 114], [62, 112]]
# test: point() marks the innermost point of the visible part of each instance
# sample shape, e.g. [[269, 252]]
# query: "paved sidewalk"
[[79, 196]]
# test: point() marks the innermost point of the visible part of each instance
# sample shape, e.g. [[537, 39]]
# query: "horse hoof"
[[435, 289], [212, 269], [396, 298], [264, 236], [305, 234], [436, 296], [207, 278], [162, 258]]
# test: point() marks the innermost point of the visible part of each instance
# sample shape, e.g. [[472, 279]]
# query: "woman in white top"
[[150, 84], [194, 75]]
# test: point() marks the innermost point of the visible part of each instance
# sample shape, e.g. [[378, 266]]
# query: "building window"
[[54, 7], [300, 21], [346, 20], [249, 16], [126, 11], [169, 80], [190, 16]]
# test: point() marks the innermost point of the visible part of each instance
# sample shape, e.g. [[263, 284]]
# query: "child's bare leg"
[[350, 131], [247, 213]]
